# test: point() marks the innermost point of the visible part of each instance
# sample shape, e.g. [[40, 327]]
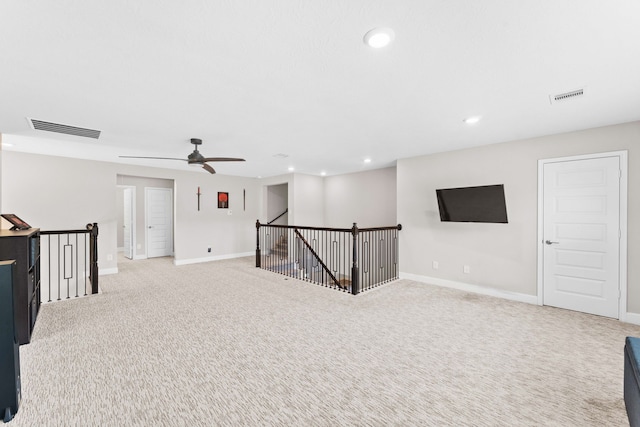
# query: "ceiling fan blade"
[[208, 168], [156, 158], [222, 159]]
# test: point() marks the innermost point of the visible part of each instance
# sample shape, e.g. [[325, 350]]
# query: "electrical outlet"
[[436, 265], [209, 249], [229, 212], [466, 269]]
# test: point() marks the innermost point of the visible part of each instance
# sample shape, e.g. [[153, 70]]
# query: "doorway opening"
[[134, 218], [278, 204]]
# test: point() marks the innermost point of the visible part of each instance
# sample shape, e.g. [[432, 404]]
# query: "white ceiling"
[[256, 78]]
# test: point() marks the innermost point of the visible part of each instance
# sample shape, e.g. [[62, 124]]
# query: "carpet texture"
[[225, 343]]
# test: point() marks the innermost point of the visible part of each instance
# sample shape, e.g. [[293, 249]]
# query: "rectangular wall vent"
[[566, 96], [65, 129]]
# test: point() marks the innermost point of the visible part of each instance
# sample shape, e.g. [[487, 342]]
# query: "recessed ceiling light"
[[291, 169], [323, 173], [367, 160], [379, 37], [472, 120]]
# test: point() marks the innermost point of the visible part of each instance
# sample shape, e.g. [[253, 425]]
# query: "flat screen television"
[[473, 204]]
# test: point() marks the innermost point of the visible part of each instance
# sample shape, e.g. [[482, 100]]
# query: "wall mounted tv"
[[473, 204]]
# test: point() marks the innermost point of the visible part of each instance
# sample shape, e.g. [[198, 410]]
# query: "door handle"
[[549, 242], [152, 227]]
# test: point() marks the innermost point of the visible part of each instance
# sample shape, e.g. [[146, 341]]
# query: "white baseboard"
[[105, 271], [633, 318], [513, 296], [211, 258], [139, 256]]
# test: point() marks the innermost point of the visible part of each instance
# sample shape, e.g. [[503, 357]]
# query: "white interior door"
[[581, 235], [159, 221], [128, 222]]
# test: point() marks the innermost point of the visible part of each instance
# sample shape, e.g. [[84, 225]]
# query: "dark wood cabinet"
[[23, 246]]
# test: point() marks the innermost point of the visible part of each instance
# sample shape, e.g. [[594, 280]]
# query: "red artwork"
[[223, 200]]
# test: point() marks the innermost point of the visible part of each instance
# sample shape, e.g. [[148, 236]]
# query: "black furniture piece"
[[632, 380], [23, 246], [9, 347]]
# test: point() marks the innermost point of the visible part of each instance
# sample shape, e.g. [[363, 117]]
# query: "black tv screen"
[[473, 204]]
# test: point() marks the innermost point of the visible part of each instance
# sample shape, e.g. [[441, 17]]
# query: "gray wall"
[[307, 200], [501, 256], [367, 198]]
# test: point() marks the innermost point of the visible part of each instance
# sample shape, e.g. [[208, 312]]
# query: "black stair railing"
[[69, 263], [278, 217], [346, 259]]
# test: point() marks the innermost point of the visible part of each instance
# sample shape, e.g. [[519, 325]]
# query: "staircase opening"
[[278, 204], [346, 259]]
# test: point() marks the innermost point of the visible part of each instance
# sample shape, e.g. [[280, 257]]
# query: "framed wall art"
[[17, 223], [223, 200]]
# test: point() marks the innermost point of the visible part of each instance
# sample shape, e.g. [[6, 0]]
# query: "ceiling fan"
[[195, 158]]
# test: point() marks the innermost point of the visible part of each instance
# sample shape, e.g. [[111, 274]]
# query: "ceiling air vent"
[[562, 97], [65, 129]]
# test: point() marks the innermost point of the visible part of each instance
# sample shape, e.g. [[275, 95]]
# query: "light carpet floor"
[[224, 343]]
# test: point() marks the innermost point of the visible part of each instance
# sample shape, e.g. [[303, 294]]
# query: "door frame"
[[171, 219], [133, 216], [622, 241]]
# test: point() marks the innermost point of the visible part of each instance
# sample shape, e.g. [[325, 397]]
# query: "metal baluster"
[[64, 262], [58, 267], [87, 262], [49, 265], [77, 276]]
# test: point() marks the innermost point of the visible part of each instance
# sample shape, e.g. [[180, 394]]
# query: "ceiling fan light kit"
[[194, 159]]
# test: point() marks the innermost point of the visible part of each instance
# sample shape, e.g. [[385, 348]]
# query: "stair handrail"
[[278, 217]]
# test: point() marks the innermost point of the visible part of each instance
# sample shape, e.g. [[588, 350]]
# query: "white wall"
[[306, 204], [1, 210], [120, 217], [501, 256], [366, 198], [307, 200], [227, 231], [54, 193]]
